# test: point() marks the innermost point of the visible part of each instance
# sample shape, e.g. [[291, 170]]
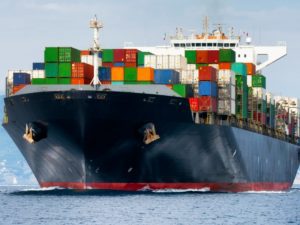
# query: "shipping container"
[[38, 74], [189, 77], [107, 56], [251, 68], [107, 64], [194, 104], [207, 104], [207, 73], [117, 73], [226, 77], [80, 81], [145, 74], [224, 66], [202, 56], [65, 70], [89, 59], [10, 75], [241, 82], [213, 56], [38, 66], [51, 54], [68, 55], [226, 92], [130, 64], [190, 55], [106, 82], [117, 83], [184, 90], [141, 58], [226, 55], [239, 68], [51, 80], [198, 65], [64, 80], [176, 62], [258, 80], [130, 74], [208, 88], [104, 73], [38, 81], [191, 67], [226, 107], [249, 80], [119, 55], [81, 70], [85, 52], [259, 117], [119, 64], [51, 69], [166, 76], [131, 55]]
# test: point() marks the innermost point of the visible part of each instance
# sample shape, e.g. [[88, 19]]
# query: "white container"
[[259, 92], [226, 106], [226, 77], [89, 59], [150, 61], [249, 80], [38, 74], [189, 76], [191, 67], [226, 92], [176, 62]]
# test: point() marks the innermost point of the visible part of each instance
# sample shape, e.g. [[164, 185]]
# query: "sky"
[[27, 26]]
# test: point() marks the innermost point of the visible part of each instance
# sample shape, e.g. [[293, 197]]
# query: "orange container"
[[18, 88], [145, 74], [80, 80], [224, 66], [117, 73], [169, 86], [251, 68], [85, 52]]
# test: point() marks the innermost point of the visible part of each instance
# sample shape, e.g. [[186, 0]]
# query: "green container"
[[68, 54], [141, 57], [51, 80], [37, 81], [190, 56], [65, 70], [184, 90], [226, 55], [107, 55], [130, 73], [51, 54], [51, 69], [200, 65], [259, 80], [239, 68], [241, 82], [64, 80]]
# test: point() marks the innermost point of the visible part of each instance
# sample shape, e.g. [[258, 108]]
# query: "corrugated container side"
[[51, 54], [166, 76], [81, 70], [191, 56], [207, 73], [259, 80], [38, 66], [131, 55], [21, 78], [202, 56], [119, 55], [130, 74], [64, 80], [38, 74], [51, 80], [184, 90], [194, 104], [226, 55], [37, 81], [145, 74], [226, 107], [107, 64], [208, 88], [117, 73], [107, 56], [119, 64], [65, 70], [225, 66], [141, 58], [85, 52], [251, 68], [213, 56], [68, 55], [239, 68], [51, 69], [207, 104], [80, 81], [104, 73]]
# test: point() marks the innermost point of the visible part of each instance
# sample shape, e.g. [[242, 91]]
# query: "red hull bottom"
[[213, 187]]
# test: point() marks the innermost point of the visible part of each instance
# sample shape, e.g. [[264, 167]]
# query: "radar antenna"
[[96, 25]]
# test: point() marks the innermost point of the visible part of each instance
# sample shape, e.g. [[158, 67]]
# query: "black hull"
[[94, 140]]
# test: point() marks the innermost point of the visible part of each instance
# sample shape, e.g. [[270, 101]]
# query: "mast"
[[96, 25]]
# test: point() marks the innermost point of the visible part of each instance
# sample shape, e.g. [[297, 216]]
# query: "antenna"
[[96, 25], [205, 26]]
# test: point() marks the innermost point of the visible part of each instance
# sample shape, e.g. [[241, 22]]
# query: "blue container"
[[21, 78], [166, 76], [38, 66], [104, 73], [119, 64], [239, 68], [208, 88], [100, 55]]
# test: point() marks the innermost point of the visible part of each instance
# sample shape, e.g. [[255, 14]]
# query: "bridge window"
[[232, 44], [188, 44], [226, 45], [203, 44], [209, 44], [215, 44], [245, 56], [176, 45], [239, 55], [220, 44], [182, 45], [198, 44], [193, 44]]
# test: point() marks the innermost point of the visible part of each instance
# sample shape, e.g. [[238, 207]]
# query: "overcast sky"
[[27, 26]]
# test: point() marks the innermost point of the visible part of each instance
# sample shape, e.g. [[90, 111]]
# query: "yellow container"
[[117, 73], [145, 74]]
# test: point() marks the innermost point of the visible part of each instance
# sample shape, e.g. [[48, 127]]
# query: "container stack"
[[270, 114], [20, 80]]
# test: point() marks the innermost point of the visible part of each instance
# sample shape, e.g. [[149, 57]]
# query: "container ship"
[[192, 115]]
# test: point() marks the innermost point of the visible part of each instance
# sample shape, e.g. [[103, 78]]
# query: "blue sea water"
[[28, 205]]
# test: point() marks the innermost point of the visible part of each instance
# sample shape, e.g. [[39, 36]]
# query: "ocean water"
[[31, 205]]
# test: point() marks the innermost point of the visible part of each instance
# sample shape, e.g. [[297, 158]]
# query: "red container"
[[130, 64], [207, 73], [85, 52], [224, 66], [260, 117], [119, 55], [169, 86], [82, 70], [213, 57], [108, 82], [80, 81], [194, 104], [202, 56], [131, 55], [107, 64], [251, 69], [207, 104]]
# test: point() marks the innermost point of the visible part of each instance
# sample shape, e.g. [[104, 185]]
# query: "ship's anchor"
[[34, 132], [149, 132]]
